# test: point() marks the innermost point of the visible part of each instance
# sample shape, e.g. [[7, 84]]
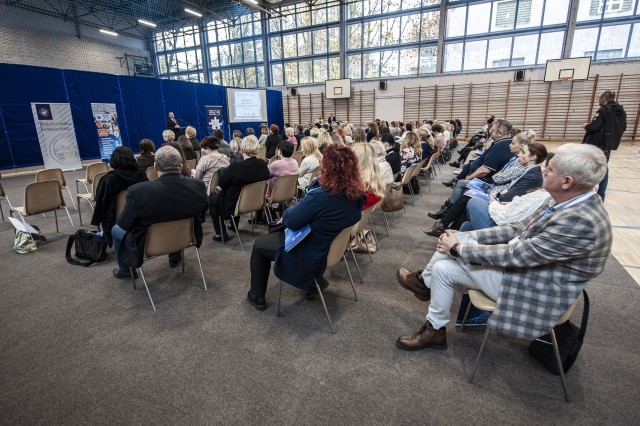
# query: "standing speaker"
[[519, 75], [294, 91], [382, 84]]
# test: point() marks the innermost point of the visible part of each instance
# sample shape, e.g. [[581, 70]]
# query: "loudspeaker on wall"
[[294, 91], [382, 85], [519, 75]]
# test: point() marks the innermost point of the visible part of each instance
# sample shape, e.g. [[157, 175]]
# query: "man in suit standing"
[[535, 268], [170, 197], [173, 125], [331, 118]]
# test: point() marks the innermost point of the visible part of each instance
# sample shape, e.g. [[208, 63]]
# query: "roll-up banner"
[[214, 118], [57, 136], [106, 119]]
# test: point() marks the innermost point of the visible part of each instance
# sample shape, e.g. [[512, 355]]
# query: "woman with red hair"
[[331, 204], [273, 140]]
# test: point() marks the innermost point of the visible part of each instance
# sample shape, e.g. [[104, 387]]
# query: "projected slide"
[[246, 106]]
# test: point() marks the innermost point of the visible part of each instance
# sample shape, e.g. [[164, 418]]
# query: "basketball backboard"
[[572, 69]]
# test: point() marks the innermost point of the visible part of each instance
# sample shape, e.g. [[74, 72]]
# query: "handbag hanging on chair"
[[393, 201]]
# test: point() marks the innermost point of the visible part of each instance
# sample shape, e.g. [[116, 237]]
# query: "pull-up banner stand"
[[106, 119], [56, 135], [214, 118]]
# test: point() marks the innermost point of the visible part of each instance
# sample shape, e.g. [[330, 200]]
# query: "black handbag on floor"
[[569, 338], [89, 246]]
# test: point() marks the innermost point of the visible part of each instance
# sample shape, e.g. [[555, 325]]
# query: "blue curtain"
[[142, 105]]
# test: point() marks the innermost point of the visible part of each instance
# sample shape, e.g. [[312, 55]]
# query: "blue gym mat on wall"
[[142, 105]]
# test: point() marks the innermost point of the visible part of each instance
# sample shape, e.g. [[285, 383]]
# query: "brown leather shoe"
[[410, 281], [426, 337], [437, 229]]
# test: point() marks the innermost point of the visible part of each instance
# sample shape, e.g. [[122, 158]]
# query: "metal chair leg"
[[556, 351], [466, 315], [70, 221], [279, 298], [133, 277], [373, 231], [233, 221], [326, 311], [182, 255], [385, 221], [475, 366], [55, 214], [366, 245], [221, 223], [201, 271], [79, 211], [356, 262], [147, 287], [350, 277], [71, 198]]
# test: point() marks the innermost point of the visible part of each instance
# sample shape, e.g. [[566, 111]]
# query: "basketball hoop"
[[566, 79]]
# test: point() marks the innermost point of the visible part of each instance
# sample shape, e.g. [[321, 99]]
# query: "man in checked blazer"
[[534, 269]]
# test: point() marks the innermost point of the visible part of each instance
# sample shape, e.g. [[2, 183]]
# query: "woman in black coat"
[[273, 140], [393, 153], [125, 172]]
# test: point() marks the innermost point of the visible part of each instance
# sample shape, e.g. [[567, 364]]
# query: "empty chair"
[[251, 200], [336, 253], [165, 238], [92, 170], [55, 174], [42, 197], [284, 189], [480, 300], [406, 180], [3, 197], [91, 196]]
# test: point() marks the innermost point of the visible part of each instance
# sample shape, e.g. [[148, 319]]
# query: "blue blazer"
[[531, 179], [328, 215]]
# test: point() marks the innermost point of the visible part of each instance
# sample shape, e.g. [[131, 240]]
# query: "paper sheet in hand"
[[293, 238], [478, 184]]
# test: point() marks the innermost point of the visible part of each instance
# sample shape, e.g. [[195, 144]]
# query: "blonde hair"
[[359, 135], [168, 135], [378, 148], [324, 139], [235, 145], [526, 137], [190, 132], [314, 132], [289, 131], [411, 140], [369, 169], [250, 145], [348, 131], [310, 148]]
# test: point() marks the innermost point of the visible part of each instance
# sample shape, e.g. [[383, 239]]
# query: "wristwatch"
[[453, 251]]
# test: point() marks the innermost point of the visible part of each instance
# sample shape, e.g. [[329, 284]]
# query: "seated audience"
[[373, 131], [211, 161], [374, 186], [225, 148], [311, 160], [264, 132], [236, 155], [185, 170], [147, 154], [359, 136], [191, 132], [411, 151], [124, 173], [331, 204], [170, 197], [385, 168], [272, 140], [286, 166], [290, 134], [222, 204], [534, 269], [393, 153], [168, 136], [187, 148]]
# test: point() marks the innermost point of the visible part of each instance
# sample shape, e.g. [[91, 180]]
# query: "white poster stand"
[[56, 135]]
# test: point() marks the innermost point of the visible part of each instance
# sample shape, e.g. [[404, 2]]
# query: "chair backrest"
[[215, 178], [273, 159], [169, 237], [567, 314], [284, 188], [262, 153], [408, 174], [251, 198], [198, 156], [2, 193], [338, 247], [95, 168], [151, 173], [42, 197], [315, 174], [364, 218], [121, 200], [51, 174], [420, 165], [96, 181], [191, 164], [298, 156]]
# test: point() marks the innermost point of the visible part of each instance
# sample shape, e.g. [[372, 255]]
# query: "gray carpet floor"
[[78, 346]]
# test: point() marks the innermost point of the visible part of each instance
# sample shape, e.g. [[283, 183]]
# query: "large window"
[[393, 38]]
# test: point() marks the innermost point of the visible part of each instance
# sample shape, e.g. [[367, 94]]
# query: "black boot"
[[451, 183], [440, 213]]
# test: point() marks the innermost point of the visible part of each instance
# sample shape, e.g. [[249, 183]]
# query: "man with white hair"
[[170, 197], [534, 269]]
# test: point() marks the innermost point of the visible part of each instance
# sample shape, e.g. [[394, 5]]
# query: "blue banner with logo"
[[106, 118], [214, 118]]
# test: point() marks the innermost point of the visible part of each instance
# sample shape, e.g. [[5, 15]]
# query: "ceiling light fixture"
[[111, 33], [147, 23], [193, 12], [253, 1]]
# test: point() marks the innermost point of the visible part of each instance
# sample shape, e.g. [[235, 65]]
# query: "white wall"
[[390, 102], [32, 39]]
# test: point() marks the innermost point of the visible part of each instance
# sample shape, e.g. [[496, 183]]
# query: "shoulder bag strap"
[[70, 258]]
